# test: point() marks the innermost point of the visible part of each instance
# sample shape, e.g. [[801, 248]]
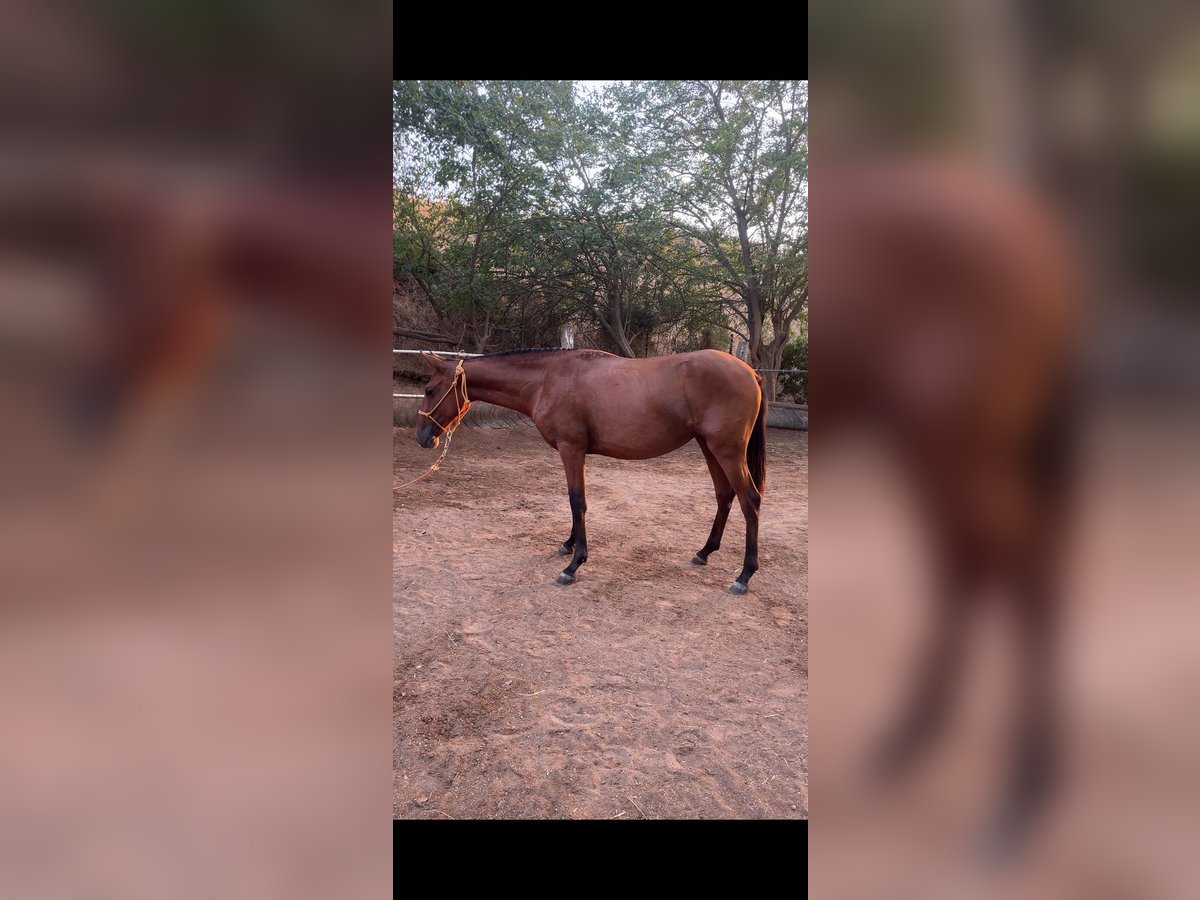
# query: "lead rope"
[[447, 430]]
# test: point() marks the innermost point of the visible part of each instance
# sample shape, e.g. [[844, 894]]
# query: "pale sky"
[[593, 86]]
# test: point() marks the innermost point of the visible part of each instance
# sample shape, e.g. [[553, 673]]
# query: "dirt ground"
[[644, 689]]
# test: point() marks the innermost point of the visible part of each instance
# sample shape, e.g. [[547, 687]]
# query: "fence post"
[[568, 337]]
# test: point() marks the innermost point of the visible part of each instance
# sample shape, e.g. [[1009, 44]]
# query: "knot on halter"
[[457, 385]]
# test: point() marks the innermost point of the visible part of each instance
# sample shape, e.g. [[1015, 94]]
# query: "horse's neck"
[[511, 382]]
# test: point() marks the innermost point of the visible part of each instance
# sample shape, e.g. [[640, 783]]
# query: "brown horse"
[[587, 401], [946, 314], [180, 259]]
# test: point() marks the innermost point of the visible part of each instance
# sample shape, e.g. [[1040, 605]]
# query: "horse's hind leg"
[[1034, 760], [958, 490], [725, 495], [733, 464], [1037, 597], [573, 464], [928, 704]]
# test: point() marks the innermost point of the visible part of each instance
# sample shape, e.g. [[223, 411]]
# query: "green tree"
[[469, 160], [658, 215], [604, 246], [795, 356], [731, 163]]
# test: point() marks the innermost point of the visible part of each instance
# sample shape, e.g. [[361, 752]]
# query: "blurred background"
[[1087, 114], [193, 318], [194, 308]]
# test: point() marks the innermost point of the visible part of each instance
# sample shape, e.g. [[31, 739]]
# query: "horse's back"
[[641, 408], [698, 387]]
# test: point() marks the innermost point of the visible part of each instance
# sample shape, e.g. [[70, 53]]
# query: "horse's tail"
[[756, 450]]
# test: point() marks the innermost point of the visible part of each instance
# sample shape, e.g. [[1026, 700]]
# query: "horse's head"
[[445, 402]]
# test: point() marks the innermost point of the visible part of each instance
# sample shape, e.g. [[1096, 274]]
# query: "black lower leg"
[[569, 544], [929, 702], [1033, 780], [718, 529], [926, 708], [578, 509], [1034, 762], [751, 502]]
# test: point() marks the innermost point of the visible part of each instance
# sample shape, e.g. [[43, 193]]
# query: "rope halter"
[[457, 385]]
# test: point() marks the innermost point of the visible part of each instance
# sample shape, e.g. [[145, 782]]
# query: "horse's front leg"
[[573, 464]]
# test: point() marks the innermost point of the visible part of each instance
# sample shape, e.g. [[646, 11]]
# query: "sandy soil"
[[642, 690]]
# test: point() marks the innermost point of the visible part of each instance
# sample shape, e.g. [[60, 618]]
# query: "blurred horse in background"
[[946, 316], [179, 259]]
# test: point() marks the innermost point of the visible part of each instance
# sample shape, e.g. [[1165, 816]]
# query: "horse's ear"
[[432, 363]]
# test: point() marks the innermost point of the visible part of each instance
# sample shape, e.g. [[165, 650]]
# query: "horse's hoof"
[[564, 550], [737, 588], [699, 560], [564, 578]]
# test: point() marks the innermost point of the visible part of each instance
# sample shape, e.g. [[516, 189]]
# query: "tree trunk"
[[615, 326], [773, 359], [753, 295]]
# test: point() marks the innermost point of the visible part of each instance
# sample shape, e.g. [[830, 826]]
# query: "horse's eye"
[[428, 392]]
